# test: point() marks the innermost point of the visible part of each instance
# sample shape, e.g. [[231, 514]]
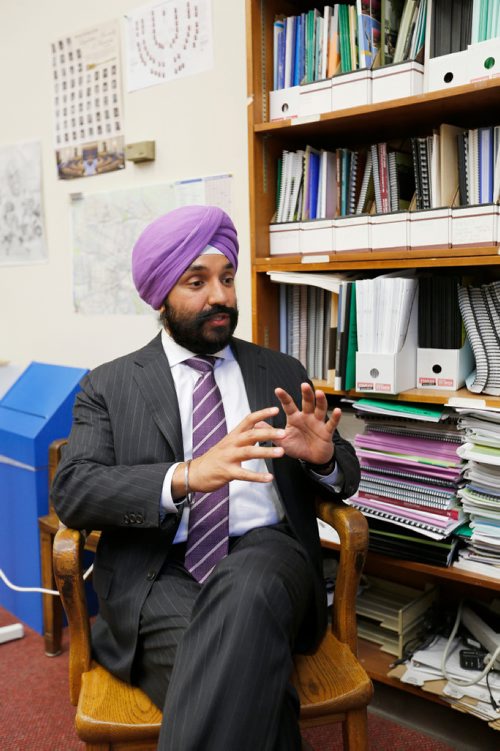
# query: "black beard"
[[188, 330]]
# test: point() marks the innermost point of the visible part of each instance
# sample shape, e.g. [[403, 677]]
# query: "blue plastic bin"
[[36, 410]]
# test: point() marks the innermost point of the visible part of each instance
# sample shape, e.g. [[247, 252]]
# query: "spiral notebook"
[[480, 309], [415, 522]]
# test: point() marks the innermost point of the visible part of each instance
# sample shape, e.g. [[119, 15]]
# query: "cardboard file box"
[[447, 71], [389, 231], [316, 236], [384, 373], [351, 233], [352, 89], [315, 98], [444, 368], [430, 228], [474, 225], [483, 59], [284, 103], [397, 80], [284, 238]]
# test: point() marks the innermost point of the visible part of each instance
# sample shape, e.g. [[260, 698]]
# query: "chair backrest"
[[55, 450]]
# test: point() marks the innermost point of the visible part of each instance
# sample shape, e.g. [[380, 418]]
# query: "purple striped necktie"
[[208, 530]]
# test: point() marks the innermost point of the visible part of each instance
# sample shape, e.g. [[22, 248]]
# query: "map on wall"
[[167, 40], [22, 237], [105, 228], [87, 102]]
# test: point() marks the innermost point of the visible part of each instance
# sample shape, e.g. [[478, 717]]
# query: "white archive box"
[[444, 368], [351, 233], [430, 228], [316, 236], [284, 103], [474, 225], [352, 89], [397, 80], [389, 231], [446, 71], [385, 373], [484, 59], [315, 98], [284, 238]]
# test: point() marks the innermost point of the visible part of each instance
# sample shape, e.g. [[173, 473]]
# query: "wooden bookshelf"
[[467, 106]]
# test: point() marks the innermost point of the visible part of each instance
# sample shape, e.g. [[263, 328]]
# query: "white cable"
[[38, 589], [444, 658]]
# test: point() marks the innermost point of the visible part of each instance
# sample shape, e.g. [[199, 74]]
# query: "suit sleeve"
[[92, 491]]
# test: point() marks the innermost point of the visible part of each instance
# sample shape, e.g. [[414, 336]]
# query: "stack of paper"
[[424, 670], [481, 495], [383, 308]]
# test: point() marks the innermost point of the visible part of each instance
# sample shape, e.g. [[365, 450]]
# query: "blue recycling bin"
[[35, 410]]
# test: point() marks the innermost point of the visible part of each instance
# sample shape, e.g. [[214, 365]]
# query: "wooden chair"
[[332, 685], [48, 526]]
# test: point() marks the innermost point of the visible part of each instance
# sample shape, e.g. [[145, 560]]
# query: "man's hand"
[[307, 435], [222, 463]]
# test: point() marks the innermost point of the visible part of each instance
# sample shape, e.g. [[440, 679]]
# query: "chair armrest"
[[352, 529], [68, 574]]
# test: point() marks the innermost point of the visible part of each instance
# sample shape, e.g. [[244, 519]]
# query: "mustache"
[[215, 310]]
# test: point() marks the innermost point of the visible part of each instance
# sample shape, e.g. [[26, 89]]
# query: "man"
[[201, 473]]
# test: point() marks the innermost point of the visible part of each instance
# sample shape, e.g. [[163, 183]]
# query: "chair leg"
[[355, 730], [52, 607]]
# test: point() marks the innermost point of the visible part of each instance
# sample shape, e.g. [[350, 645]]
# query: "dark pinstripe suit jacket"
[[126, 433]]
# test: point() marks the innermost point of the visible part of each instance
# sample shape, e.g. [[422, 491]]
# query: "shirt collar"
[[176, 353]]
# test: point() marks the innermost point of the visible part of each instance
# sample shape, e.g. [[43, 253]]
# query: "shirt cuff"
[[334, 481], [167, 503]]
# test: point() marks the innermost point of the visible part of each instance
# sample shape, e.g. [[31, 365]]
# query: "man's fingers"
[[334, 420], [289, 406], [251, 420], [308, 400], [246, 474], [321, 405]]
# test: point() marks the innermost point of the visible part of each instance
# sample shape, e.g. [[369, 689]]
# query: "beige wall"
[[199, 125]]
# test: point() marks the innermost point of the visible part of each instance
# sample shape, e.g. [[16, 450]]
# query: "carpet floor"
[[36, 715]]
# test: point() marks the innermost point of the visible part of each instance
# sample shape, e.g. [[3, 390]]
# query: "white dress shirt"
[[250, 504]]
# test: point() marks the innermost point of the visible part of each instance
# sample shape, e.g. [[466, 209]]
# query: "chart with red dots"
[[168, 40]]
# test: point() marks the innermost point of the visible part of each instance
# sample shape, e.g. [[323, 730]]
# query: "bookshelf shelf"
[[468, 106], [425, 258], [377, 664]]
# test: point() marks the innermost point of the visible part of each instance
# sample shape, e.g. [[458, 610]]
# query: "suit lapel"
[[255, 374], [154, 379]]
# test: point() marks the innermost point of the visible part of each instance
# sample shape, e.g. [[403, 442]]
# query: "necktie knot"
[[201, 363]]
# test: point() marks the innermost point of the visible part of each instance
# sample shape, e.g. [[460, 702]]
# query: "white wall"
[[199, 125]]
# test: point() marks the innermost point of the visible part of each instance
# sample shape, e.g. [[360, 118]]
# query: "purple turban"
[[168, 246]]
